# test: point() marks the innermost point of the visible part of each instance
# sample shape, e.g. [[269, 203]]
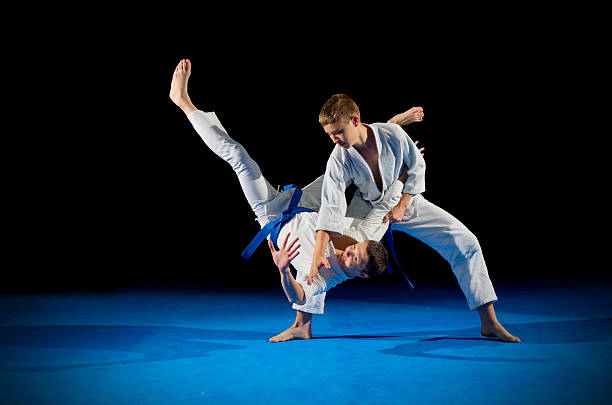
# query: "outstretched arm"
[[331, 214], [282, 257]]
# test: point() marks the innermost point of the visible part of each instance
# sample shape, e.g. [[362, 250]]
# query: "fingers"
[[293, 243], [286, 239], [311, 275], [293, 256], [390, 218], [294, 250], [326, 263], [271, 246]]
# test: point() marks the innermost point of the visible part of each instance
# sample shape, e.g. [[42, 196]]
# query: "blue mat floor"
[[374, 345]]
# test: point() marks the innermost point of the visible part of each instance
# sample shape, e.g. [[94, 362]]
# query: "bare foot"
[[178, 87], [292, 333], [415, 114], [495, 329]]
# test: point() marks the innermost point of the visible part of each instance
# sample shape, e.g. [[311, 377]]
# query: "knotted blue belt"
[[389, 238], [273, 228]]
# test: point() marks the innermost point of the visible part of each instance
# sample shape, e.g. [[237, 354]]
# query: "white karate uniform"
[[267, 203], [423, 220], [303, 225]]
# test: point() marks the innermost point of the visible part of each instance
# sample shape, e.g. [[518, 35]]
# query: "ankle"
[[187, 107], [489, 322], [301, 325]]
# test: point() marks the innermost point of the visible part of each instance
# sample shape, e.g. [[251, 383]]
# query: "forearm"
[[405, 200], [293, 290], [321, 241]]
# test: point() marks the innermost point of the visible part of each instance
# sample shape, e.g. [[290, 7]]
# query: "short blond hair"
[[339, 108]]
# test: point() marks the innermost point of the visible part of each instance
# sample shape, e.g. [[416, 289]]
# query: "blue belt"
[[389, 238], [273, 228]]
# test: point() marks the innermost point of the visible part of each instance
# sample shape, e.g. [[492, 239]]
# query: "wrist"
[[404, 201], [402, 206]]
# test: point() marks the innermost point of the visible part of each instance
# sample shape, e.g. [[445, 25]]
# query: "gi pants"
[[266, 201]]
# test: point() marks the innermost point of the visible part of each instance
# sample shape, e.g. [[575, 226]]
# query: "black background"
[[108, 185]]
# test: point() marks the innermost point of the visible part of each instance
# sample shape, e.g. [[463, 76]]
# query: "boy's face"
[[343, 134], [354, 259]]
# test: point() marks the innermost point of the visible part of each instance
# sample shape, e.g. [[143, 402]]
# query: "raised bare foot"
[[292, 333], [178, 87], [415, 114], [495, 329]]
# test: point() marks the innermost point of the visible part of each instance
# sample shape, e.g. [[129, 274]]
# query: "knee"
[[237, 157], [463, 244], [297, 301]]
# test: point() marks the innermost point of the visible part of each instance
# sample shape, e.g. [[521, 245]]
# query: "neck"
[[364, 142]]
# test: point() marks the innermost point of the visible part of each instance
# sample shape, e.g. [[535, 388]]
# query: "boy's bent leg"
[[460, 248], [457, 245]]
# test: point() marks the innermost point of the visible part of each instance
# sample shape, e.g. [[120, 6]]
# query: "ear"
[[355, 120]]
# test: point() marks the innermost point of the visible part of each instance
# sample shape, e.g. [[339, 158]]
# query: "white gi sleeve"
[[415, 184], [325, 280], [318, 285], [372, 226], [333, 200]]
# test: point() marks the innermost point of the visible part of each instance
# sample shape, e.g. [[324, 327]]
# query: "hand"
[[284, 255], [317, 262], [396, 214], [420, 149]]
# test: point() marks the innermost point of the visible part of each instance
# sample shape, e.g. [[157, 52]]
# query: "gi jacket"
[[346, 166]]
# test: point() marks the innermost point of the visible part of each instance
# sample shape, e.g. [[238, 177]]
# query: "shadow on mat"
[[152, 343], [554, 332], [147, 343], [459, 338], [356, 337]]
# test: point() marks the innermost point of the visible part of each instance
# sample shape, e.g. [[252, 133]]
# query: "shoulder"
[[339, 156], [390, 134], [388, 129]]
